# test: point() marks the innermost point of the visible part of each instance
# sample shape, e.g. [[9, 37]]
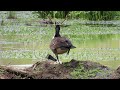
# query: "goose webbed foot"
[[58, 61]]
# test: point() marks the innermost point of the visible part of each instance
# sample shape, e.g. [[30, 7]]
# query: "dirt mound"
[[68, 70], [115, 74], [48, 70]]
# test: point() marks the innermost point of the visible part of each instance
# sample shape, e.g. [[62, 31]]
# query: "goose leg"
[[68, 51], [58, 59]]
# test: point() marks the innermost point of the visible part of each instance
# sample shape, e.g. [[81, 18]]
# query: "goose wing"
[[61, 42]]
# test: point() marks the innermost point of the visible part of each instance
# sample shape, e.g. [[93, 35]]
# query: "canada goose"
[[60, 45]]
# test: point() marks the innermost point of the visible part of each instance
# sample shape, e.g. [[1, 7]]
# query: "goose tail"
[[73, 47]]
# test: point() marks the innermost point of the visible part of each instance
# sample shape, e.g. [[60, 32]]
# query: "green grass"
[[112, 64], [82, 73], [15, 61], [96, 43]]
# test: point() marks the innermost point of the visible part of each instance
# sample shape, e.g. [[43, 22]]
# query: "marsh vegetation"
[[25, 40]]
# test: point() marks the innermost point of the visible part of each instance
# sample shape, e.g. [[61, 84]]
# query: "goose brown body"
[[60, 45]]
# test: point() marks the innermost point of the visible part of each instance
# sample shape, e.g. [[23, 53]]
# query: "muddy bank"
[[67, 70]]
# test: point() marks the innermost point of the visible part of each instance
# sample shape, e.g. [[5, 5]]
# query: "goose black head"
[[57, 27], [57, 31]]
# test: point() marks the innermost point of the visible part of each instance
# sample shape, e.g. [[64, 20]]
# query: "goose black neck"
[[57, 31]]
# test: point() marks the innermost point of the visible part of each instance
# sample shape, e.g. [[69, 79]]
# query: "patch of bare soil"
[[115, 74], [49, 70]]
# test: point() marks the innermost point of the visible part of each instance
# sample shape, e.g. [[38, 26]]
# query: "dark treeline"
[[89, 15]]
